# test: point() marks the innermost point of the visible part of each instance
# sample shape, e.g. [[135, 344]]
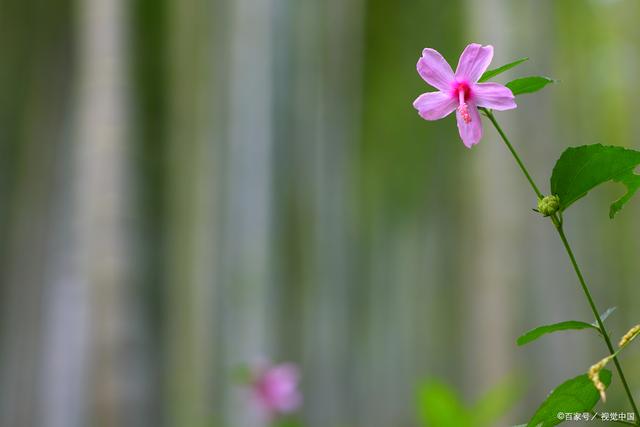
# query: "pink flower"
[[275, 389], [461, 91]]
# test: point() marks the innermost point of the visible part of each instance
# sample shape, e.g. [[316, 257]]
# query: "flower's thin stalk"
[[491, 117], [557, 222]]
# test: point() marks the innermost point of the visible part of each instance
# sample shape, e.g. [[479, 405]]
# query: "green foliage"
[[536, 333], [492, 73], [496, 403], [287, 422], [580, 169], [528, 84], [575, 395], [439, 406]]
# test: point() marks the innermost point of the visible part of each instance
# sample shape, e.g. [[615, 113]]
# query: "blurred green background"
[[190, 185]]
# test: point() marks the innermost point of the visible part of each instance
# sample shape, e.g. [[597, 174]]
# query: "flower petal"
[[435, 105], [493, 95], [470, 132], [435, 70], [473, 62]]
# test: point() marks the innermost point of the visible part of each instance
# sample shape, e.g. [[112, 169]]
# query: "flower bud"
[[548, 205]]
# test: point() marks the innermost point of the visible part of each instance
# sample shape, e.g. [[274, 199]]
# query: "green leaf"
[[536, 333], [528, 84], [440, 407], [580, 169], [492, 73], [575, 395], [632, 182], [496, 402]]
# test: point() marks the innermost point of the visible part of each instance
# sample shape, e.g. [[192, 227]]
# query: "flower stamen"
[[463, 109], [464, 112]]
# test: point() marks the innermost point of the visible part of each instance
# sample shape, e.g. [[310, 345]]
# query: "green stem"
[[491, 117], [558, 225], [587, 293]]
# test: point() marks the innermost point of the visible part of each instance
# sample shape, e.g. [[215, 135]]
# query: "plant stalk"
[[587, 293], [559, 228], [523, 168]]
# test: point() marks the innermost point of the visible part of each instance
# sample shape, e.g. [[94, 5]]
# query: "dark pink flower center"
[[461, 90]]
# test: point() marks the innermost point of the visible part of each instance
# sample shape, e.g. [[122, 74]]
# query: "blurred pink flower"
[[275, 389], [461, 91]]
